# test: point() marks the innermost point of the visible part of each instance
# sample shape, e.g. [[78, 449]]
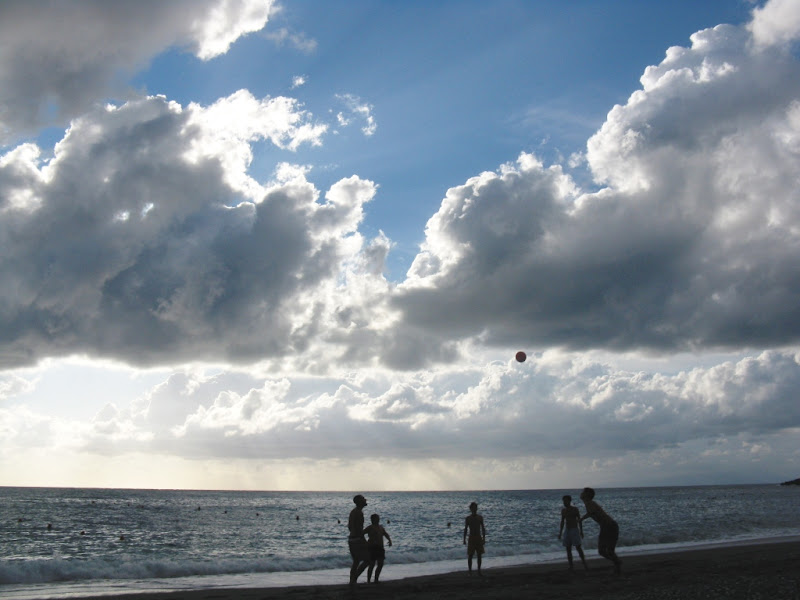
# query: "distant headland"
[[793, 482]]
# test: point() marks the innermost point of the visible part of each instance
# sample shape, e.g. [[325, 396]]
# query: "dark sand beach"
[[767, 570]]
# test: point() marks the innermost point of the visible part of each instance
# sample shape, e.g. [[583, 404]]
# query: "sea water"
[[58, 543]]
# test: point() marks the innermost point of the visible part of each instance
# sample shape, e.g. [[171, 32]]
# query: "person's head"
[[473, 507], [375, 519], [567, 500], [359, 501], [587, 494]]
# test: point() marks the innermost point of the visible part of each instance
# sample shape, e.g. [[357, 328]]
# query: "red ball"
[[521, 356]]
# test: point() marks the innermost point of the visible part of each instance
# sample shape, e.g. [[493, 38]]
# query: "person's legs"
[[369, 572], [354, 566], [362, 567], [611, 554], [379, 569], [480, 555], [583, 558], [601, 549], [607, 543], [601, 546], [617, 563], [469, 562], [569, 557], [358, 550], [354, 571]]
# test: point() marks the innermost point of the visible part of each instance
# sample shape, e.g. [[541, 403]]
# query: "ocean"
[[62, 543]]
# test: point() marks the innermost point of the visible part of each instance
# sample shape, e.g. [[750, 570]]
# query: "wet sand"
[[743, 572]]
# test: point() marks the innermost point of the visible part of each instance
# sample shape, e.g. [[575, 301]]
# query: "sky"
[[296, 245]]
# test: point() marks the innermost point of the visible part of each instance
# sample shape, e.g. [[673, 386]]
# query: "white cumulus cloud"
[[57, 58]]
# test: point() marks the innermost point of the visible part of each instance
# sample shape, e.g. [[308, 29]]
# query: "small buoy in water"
[[122, 538], [49, 525], [83, 533], [449, 523], [297, 518]]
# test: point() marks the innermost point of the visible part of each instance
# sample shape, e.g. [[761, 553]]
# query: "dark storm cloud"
[[145, 239], [123, 246]]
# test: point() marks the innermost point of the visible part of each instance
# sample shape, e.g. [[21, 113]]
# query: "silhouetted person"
[[609, 530], [571, 517], [377, 553], [356, 541], [477, 536]]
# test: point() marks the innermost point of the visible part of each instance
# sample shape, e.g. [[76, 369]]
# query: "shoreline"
[[740, 570]]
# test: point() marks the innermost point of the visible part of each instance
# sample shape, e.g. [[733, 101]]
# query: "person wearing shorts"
[[573, 535], [377, 553], [356, 541], [609, 529], [477, 536]]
